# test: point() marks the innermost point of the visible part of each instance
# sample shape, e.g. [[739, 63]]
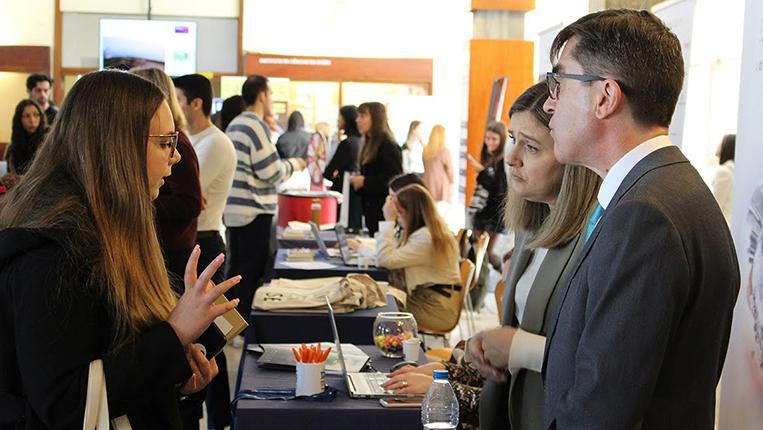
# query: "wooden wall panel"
[[492, 59], [512, 5], [390, 70], [25, 59]]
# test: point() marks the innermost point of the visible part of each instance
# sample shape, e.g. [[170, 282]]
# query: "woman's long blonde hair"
[[90, 180], [436, 141], [164, 82], [378, 133], [421, 211], [576, 198]]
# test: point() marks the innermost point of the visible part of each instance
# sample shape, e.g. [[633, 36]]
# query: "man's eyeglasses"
[[552, 80], [167, 140]]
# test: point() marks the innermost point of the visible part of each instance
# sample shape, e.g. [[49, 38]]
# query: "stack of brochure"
[[300, 254]]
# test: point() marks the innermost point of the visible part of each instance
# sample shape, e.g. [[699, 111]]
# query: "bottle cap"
[[440, 375]]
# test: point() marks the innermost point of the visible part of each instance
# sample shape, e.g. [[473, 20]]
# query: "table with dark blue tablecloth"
[[297, 327], [340, 414], [340, 269], [308, 241]]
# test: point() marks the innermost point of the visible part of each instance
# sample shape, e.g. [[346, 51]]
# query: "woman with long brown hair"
[[548, 207], [27, 134], [81, 272], [487, 202], [424, 261], [412, 149], [380, 161]]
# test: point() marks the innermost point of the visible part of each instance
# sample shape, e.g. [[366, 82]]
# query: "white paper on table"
[[307, 265]]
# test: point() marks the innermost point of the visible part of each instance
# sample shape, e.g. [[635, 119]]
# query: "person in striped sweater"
[[253, 199]]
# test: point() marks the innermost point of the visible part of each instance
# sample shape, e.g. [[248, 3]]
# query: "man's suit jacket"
[[520, 402], [643, 324]]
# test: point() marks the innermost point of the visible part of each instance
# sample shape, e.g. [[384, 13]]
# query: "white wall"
[[31, 22], [21, 23], [200, 8], [26, 22], [713, 85], [100, 6], [713, 90], [351, 28], [548, 14], [742, 380]]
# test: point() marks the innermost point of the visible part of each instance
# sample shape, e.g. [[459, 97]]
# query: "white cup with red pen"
[[311, 373]]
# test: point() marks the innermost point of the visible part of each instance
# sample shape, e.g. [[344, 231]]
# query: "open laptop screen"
[[341, 238], [319, 239], [337, 342]]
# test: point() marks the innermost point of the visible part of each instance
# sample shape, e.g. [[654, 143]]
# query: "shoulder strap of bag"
[[97, 402]]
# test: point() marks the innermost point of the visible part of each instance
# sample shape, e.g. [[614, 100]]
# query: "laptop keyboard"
[[370, 382], [375, 381]]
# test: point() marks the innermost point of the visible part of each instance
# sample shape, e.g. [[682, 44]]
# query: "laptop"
[[360, 385], [329, 253], [349, 256]]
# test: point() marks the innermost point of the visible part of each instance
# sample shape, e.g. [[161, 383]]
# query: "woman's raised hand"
[[389, 210], [196, 309], [475, 164]]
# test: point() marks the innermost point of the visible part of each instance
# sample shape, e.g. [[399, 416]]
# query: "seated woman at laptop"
[[424, 261]]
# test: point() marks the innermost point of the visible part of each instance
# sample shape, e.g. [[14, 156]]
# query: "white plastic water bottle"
[[439, 410], [365, 256]]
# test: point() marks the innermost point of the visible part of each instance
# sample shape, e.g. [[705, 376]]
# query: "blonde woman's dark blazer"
[[518, 404]]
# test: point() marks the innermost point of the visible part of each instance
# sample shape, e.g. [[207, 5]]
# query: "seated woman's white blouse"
[[416, 257]]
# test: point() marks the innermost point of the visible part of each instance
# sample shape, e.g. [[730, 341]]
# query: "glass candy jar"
[[391, 329]]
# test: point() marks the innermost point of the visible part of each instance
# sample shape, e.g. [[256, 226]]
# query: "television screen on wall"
[[168, 45]]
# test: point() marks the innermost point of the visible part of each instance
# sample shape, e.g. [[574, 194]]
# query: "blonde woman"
[[179, 203], [81, 272], [547, 207], [438, 168], [425, 261]]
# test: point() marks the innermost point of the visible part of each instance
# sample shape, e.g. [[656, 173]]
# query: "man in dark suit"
[[642, 327]]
